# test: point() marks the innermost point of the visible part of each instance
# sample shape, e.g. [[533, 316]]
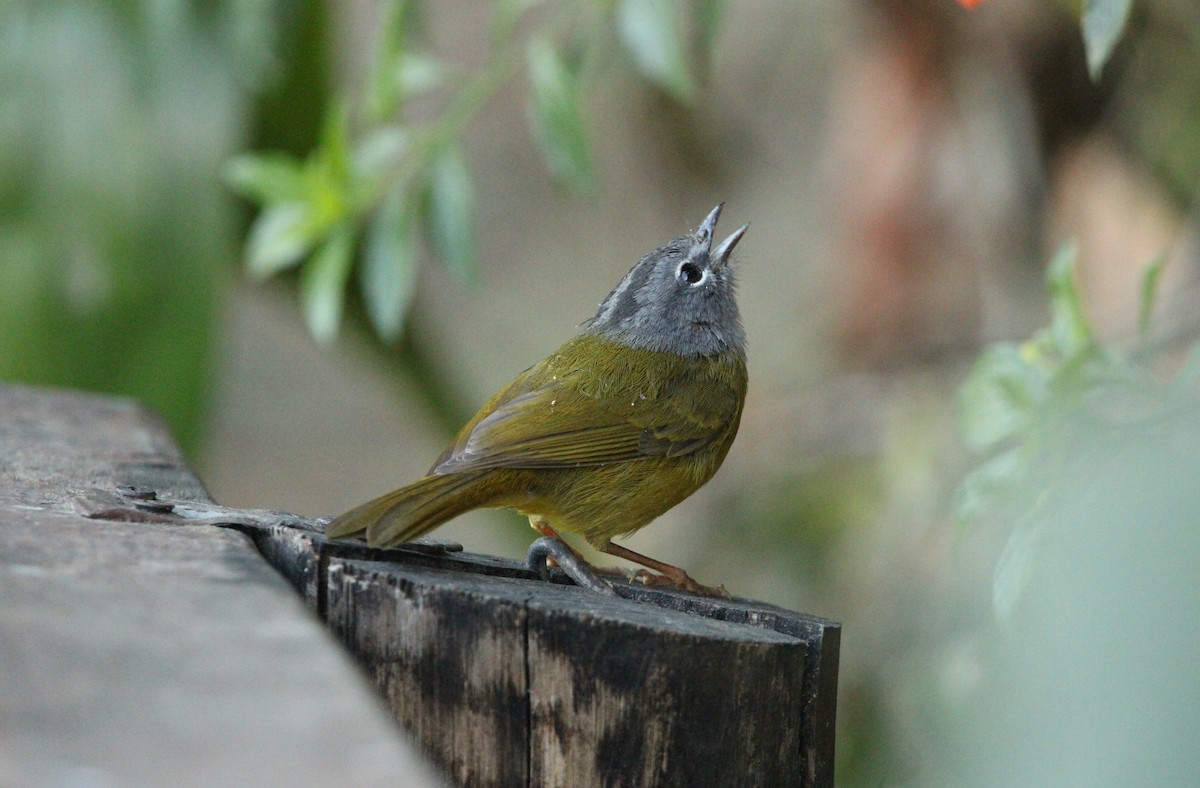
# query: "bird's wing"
[[689, 413], [557, 425]]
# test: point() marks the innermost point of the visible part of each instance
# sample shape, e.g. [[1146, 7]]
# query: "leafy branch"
[[379, 181], [1026, 406]]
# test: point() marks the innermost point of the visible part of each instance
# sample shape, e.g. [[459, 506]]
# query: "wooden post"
[[505, 679], [508, 680]]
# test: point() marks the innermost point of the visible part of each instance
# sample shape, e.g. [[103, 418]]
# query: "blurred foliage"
[[1157, 103], [114, 231], [1027, 405], [382, 178], [1089, 679], [295, 87], [1103, 23], [1092, 678]]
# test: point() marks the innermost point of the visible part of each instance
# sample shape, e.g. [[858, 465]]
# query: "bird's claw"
[[684, 583]]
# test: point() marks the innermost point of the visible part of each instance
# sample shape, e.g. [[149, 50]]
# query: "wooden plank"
[[364, 585], [818, 712], [448, 652], [150, 654], [507, 680], [635, 695]]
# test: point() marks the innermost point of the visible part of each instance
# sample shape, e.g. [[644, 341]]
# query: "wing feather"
[[548, 420]]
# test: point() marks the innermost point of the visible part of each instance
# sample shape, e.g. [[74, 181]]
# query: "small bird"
[[625, 420]]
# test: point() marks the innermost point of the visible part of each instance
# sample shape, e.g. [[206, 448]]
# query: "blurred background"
[[439, 193]]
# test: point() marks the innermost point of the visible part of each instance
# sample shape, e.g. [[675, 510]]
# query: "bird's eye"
[[690, 273]]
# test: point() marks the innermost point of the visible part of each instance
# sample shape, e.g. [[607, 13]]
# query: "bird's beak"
[[721, 256], [705, 233]]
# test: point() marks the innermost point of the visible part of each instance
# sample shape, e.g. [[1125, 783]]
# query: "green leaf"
[[650, 31], [333, 156], [1148, 294], [379, 151], [1070, 332], [1103, 22], [451, 215], [323, 284], [375, 161], [397, 72], [991, 486], [332, 181], [557, 115], [384, 94], [1013, 569], [280, 236], [267, 177], [389, 265], [1000, 396]]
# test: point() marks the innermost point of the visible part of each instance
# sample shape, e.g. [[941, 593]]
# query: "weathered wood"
[[818, 714], [136, 653], [644, 696], [448, 652], [508, 680], [655, 687]]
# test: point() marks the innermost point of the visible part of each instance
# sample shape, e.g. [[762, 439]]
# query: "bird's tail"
[[405, 514]]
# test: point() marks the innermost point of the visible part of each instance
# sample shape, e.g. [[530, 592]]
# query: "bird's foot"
[[668, 574], [683, 581]]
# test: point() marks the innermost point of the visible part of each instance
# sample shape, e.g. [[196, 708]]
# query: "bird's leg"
[[552, 550], [542, 526], [668, 574]]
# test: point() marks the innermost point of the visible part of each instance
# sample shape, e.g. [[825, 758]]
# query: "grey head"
[[679, 298]]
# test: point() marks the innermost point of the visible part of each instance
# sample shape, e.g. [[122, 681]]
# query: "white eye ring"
[[691, 274]]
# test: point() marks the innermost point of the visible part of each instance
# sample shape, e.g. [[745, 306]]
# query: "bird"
[[622, 422]]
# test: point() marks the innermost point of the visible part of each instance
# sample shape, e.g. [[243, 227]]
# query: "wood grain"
[[136, 653]]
